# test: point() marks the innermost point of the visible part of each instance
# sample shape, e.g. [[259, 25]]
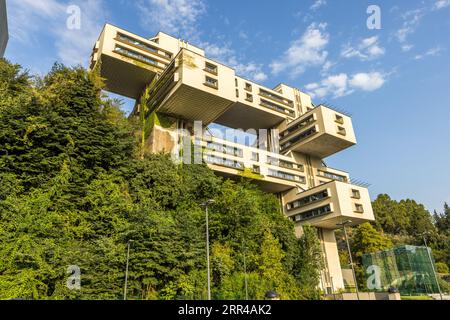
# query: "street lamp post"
[[432, 265], [245, 273], [126, 271], [206, 205], [344, 225]]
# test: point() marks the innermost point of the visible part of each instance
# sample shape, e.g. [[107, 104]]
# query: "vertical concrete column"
[[333, 264]]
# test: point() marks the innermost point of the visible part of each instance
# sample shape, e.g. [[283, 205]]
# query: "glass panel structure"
[[407, 268]]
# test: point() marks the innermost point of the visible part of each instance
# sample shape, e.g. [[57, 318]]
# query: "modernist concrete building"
[[3, 28], [185, 86]]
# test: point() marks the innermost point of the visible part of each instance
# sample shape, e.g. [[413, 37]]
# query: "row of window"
[[275, 97], [332, 176], [276, 107], [225, 149], [307, 200], [312, 214], [135, 55], [286, 176], [224, 162], [299, 137], [140, 44], [285, 164], [298, 126]]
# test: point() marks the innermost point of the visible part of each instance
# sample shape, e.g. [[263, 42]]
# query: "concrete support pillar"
[[332, 279]]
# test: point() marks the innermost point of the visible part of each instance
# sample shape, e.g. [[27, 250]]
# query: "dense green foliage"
[[75, 189]]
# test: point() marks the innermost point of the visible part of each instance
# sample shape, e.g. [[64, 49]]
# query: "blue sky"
[[394, 81]]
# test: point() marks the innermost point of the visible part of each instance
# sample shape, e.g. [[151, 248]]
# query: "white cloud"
[[318, 4], [411, 20], [225, 54], [177, 17], [441, 4], [430, 53], [367, 81], [29, 18], [307, 51], [341, 85], [407, 47], [367, 49]]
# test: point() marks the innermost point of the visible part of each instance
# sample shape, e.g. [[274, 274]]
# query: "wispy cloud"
[[342, 84], [30, 18], [367, 49], [441, 4], [305, 52], [433, 52], [177, 17], [318, 4], [411, 20]]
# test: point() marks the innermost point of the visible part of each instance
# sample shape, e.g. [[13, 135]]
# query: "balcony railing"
[[137, 56], [332, 176], [224, 162], [311, 214], [141, 45], [233, 151], [286, 176], [298, 138], [276, 98], [273, 106], [300, 125]]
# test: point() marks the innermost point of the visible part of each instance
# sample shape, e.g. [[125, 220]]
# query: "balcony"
[[127, 62], [329, 204], [192, 93], [272, 172], [321, 132]]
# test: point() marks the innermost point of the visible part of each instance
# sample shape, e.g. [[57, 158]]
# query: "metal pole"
[[432, 266], [207, 253], [245, 278], [351, 261], [126, 273]]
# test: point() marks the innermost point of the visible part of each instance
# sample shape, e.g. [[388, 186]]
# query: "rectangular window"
[[332, 176], [286, 176], [249, 97], [356, 194], [339, 119], [237, 93], [298, 138], [256, 169], [211, 68], [236, 82], [359, 208], [210, 159], [308, 200], [342, 131], [312, 214], [135, 55], [298, 126], [248, 87], [211, 82], [255, 156]]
